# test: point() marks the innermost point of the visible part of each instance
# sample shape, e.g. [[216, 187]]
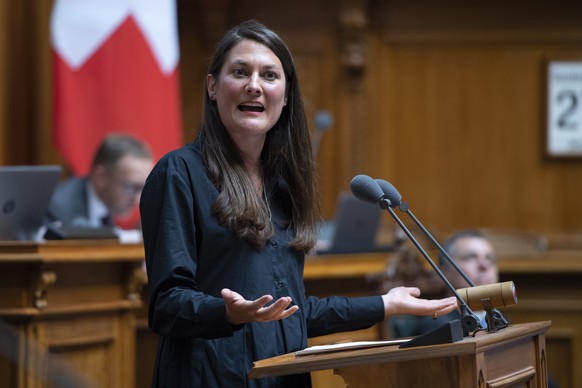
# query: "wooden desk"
[[67, 313], [514, 357], [549, 286]]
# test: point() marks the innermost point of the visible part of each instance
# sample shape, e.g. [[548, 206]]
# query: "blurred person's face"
[[476, 257], [250, 91], [120, 188]]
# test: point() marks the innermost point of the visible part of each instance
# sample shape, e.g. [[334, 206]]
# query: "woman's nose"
[[253, 85]]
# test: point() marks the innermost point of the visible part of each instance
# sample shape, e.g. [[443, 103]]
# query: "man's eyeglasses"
[[130, 188]]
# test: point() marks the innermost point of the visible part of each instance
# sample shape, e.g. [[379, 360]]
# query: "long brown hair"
[[286, 156]]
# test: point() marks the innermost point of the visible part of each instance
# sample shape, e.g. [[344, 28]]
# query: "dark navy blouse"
[[190, 258]]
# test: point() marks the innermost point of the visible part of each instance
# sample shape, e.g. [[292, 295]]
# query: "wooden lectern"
[[67, 313], [512, 357]]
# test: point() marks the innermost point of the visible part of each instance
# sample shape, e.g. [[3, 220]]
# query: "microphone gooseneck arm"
[[469, 322], [423, 252], [403, 206], [495, 318], [396, 200], [380, 192]]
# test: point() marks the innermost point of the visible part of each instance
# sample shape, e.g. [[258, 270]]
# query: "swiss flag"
[[115, 70]]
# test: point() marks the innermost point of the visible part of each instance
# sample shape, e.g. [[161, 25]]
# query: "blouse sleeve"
[[176, 308], [336, 314]]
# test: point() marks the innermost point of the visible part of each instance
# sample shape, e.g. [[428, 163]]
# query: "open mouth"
[[251, 108]]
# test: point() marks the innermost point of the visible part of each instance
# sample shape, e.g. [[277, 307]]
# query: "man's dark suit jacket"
[[70, 203]]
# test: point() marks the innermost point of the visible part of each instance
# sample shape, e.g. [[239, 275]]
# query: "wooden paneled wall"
[[445, 101], [25, 79], [460, 112]]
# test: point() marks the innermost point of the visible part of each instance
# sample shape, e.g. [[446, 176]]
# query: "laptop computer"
[[25, 193], [353, 228]]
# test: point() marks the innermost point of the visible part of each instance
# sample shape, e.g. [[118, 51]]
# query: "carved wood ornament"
[[353, 20], [354, 25], [45, 280]]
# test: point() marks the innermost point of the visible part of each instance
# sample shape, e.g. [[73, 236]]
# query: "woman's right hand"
[[239, 310]]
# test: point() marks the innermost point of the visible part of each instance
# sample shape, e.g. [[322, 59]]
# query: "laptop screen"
[[25, 193], [353, 228]]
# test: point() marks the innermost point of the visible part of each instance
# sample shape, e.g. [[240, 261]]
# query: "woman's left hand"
[[405, 300]]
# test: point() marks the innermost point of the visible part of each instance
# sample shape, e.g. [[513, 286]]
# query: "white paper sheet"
[[348, 346]]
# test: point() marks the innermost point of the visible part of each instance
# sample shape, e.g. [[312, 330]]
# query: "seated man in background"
[[112, 189], [475, 255]]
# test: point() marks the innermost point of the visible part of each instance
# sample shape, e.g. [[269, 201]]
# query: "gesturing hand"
[[405, 300], [239, 310]]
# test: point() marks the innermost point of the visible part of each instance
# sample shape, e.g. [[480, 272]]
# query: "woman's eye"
[[270, 75], [239, 72]]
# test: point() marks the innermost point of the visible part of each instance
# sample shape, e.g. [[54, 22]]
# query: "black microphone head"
[[390, 192], [366, 189]]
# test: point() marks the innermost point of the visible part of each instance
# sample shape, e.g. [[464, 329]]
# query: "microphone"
[[369, 190], [390, 192], [366, 189], [481, 294], [323, 120], [496, 295]]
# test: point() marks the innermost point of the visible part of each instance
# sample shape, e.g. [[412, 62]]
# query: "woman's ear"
[[211, 86]]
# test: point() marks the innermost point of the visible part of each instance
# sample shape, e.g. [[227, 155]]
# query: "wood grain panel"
[[463, 133], [4, 90], [72, 323]]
